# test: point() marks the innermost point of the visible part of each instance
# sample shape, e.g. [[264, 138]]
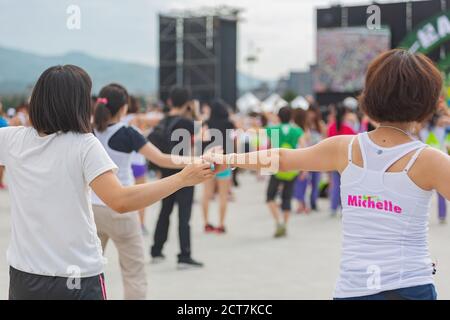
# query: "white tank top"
[[121, 159], [385, 223]]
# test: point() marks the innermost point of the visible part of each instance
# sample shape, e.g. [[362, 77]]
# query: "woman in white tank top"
[[387, 181]]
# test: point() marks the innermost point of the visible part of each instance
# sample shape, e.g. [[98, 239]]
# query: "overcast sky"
[[284, 30]]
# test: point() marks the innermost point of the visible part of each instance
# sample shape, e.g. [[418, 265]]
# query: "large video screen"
[[343, 55]]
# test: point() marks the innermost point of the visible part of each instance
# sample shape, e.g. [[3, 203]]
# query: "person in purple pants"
[[301, 185], [344, 123], [335, 192], [442, 208], [315, 131]]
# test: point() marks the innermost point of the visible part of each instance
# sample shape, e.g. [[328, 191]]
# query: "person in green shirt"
[[284, 135]]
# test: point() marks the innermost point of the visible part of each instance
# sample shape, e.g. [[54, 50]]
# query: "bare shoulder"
[[430, 156], [430, 160], [430, 167], [340, 141], [336, 148]]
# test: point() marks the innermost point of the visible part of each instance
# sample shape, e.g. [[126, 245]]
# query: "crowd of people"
[[339, 152], [14, 116]]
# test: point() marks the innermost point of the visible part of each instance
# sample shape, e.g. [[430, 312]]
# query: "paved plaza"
[[247, 263]]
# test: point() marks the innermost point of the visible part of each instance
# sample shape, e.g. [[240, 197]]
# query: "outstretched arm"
[[125, 199], [328, 155], [153, 154]]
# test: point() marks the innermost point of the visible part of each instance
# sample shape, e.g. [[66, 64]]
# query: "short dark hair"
[[111, 99], [61, 101], [285, 114], [179, 96], [401, 86]]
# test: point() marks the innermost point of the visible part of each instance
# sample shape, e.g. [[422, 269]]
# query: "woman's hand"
[[196, 173], [215, 156]]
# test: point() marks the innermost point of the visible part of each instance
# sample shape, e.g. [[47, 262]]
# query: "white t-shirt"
[[53, 229]]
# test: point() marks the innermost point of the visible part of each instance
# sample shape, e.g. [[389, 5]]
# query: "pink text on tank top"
[[373, 202]]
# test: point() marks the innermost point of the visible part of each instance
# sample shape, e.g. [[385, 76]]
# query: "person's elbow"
[[119, 204], [121, 208]]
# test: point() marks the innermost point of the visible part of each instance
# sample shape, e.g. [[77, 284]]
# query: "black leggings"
[[286, 194], [28, 286]]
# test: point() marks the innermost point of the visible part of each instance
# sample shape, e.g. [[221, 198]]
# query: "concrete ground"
[[247, 263]]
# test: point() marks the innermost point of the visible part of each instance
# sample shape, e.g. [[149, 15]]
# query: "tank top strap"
[[414, 158], [378, 158], [350, 149], [363, 149], [403, 152]]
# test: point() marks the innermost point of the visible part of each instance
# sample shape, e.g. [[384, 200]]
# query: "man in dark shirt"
[[179, 103]]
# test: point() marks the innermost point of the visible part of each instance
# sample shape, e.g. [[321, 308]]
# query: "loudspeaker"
[[199, 53], [167, 56]]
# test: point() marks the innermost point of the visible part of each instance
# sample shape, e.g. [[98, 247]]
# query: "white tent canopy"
[[274, 103], [248, 102], [300, 103]]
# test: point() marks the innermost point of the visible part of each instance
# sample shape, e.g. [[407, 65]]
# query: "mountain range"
[[19, 70]]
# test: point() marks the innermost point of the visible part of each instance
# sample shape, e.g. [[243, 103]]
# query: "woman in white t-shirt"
[[54, 251]]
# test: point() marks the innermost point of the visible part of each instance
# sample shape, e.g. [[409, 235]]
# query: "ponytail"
[[111, 99], [102, 115]]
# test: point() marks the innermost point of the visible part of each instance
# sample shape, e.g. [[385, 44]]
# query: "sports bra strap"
[[414, 158], [350, 149]]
